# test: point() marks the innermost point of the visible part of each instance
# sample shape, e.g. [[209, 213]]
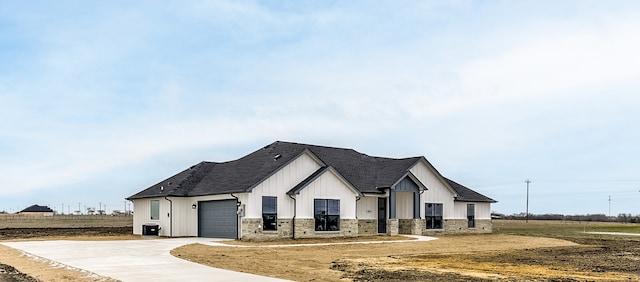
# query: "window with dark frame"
[[433, 215], [471, 215], [155, 210], [326, 213], [269, 213]]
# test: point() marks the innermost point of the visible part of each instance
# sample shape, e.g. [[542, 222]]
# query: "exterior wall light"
[[194, 206]]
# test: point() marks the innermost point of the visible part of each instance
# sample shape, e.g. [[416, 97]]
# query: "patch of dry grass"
[[316, 263], [64, 221]]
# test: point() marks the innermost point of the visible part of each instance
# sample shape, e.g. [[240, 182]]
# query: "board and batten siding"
[[367, 207], [142, 215], [327, 186], [184, 216], [482, 210], [404, 206], [278, 184], [437, 191]]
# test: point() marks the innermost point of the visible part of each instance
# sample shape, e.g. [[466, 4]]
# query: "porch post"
[[392, 203], [416, 205]]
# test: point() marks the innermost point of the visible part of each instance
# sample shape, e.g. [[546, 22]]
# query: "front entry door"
[[382, 215]]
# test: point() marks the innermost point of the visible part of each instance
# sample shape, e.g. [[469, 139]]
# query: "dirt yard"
[[15, 266], [56, 233], [451, 258], [549, 251], [9, 273]]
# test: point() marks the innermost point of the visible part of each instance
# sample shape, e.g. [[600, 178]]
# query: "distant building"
[[37, 210]]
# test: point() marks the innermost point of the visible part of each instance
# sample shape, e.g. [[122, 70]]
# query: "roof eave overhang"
[[474, 201]]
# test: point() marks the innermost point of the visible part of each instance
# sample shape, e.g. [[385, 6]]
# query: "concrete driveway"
[[133, 260]]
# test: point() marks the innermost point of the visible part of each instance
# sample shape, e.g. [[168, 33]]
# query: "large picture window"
[[471, 215], [155, 210], [326, 214], [269, 213], [433, 214]]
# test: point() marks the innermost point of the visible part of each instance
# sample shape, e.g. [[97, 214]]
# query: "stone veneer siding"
[[367, 227], [411, 226], [252, 230], [305, 228], [458, 226], [404, 226]]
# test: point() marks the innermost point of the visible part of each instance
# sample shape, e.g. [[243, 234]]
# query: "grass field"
[[565, 229]]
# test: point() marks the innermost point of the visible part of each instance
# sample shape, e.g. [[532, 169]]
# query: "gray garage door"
[[217, 219]]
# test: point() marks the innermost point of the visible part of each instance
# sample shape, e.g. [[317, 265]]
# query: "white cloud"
[[565, 59], [128, 86]]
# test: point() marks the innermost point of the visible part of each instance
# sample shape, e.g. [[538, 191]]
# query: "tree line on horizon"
[[622, 217]]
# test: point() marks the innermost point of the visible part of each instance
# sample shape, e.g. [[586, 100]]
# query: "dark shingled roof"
[[36, 208], [467, 195], [365, 173]]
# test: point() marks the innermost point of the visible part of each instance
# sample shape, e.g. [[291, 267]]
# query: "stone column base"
[[411, 226], [417, 225], [393, 227]]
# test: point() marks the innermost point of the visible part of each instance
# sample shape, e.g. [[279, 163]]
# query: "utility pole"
[[527, 216], [609, 206]]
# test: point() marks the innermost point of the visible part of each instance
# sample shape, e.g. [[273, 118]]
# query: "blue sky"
[[101, 99]]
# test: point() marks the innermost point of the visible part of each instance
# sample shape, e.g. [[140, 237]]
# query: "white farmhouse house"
[[292, 190]]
